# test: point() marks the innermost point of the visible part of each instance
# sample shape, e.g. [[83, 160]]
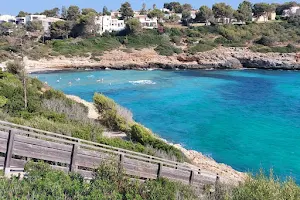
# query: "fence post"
[[9, 150], [121, 162], [191, 180], [159, 170], [73, 166]]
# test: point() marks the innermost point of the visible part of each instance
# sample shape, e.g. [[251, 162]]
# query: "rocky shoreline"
[[220, 58]]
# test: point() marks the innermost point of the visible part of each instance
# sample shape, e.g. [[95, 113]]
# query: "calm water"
[[247, 119]]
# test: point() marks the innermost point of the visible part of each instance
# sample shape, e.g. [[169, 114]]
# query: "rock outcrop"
[[220, 58]]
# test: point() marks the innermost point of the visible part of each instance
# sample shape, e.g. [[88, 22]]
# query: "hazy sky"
[[14, 6]]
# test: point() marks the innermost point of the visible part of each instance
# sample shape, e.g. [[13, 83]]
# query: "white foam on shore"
[[142, 82]]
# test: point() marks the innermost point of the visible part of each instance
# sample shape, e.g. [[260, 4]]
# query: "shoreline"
[[145, 59], [198, 160]]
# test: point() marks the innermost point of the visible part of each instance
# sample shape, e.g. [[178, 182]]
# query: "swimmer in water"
[[70, 83], [57, 81]]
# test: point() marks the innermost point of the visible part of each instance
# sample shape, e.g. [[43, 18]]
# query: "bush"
[[201, 48], [3, 101], [145, 137], [109, 116], [266, 41], [15, 67], [267, 187], [167, 50], [108, 183]]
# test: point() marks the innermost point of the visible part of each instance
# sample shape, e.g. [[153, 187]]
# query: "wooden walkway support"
[[20, 143]]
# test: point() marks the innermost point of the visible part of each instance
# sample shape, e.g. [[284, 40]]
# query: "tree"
[[156, 13], [105, 11], [172, 6], [133, 26], [126, 11], [22, 14], [265, 9], [33, 26], [18, 67], [187, 6], [86, 11], [51, 13], [60, 29], [281, 7], [143, 10], [73, 13], [174, 18], [186, 17], [86, 26], [205, 14], [222, 10], [244, 11], [64, 12]]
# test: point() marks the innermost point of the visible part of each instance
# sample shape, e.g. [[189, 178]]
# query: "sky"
[[12, 7]]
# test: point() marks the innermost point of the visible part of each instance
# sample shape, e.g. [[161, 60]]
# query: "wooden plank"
[[86, 174], [43, 143], [2, 161], [3, 144], [199, 178], [18, 163], [73, 166], [175, 174], [3, 134], [140, 171], [89, 161], [97, 154], [43, 153], [9, 150]]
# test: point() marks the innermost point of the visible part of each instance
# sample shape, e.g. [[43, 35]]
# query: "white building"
[[108, 24], [295, 10], [30, 18], [146, 22], [46, 23], [7, 18], [265, 17], [21, 20]]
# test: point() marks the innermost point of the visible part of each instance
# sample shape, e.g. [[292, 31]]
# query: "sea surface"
[[248, 119]]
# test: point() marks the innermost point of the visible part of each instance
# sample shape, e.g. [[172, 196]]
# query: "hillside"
[[161, 47]]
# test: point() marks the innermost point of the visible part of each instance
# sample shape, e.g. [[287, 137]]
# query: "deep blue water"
[[247, 119]]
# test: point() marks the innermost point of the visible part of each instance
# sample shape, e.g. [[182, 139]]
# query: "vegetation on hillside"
[[283, 37], [108, 183]]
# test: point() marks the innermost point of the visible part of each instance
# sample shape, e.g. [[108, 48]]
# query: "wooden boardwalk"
[[18, 144]]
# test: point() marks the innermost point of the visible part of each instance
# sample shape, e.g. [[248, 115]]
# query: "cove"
[[248, 119]]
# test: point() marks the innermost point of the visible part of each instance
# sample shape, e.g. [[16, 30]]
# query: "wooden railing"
[[18, 144]]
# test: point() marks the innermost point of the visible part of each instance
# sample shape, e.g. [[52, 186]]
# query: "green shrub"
[[109, 117], [266, 187], [266, 40], [3, 101], [145, 137], [167, 50], [200, 48]]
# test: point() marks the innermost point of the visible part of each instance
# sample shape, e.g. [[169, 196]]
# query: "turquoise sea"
[[248, 119]]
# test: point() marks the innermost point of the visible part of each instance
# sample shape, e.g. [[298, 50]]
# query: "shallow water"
[[247, 119]]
